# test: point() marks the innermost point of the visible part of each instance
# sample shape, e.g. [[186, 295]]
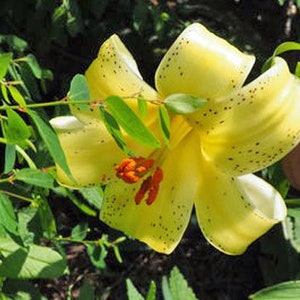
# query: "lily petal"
[[87, 148], [254, 126], [233, 212], [161, 224], [202, 64], [114, 72]]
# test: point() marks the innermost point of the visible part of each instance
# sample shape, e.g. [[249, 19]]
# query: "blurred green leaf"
[[143, 106], [5, 60], [9, 157], [129, 121], [35, 177], [87, 291], [32, 262], [183, 103], [7, 215], [51, 141], [97, 255], [282, 291], [132, 292]]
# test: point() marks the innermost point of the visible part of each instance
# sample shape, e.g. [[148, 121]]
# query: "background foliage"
[[52, 245]]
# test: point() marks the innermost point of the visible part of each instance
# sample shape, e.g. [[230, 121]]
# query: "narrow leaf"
[[297, 69], [34, 66], [35, 177], [114, 130], [183, 104], [79, 91], [286, 290], [142, 105], [7, 215], [10, 158], [164, 122], [51, 141], [284, 47], [151, 295], [5, 59], [129, 121], [166, 289], [16, 95]]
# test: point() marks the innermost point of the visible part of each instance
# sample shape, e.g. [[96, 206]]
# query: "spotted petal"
[[86, 147], [200, 63], [233, 212], [254, 126], [161, 224], [114, 72]]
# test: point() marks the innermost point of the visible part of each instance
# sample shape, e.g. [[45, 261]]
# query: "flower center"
[[131, 169]]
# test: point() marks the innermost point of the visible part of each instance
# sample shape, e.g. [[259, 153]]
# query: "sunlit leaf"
[[31, 262], [129, 121], [151, 295], [282, 291], [79, 91], [35, 177], [143, 107], [183, 104], [10, 157], [16, 95], [132, 292], [7, 215]]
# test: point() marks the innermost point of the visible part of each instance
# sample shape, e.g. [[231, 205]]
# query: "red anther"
[[150, 186], [132, 169], [142, 191]]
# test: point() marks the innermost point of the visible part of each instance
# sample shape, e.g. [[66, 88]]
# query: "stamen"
[[150, 185], [132, 169]]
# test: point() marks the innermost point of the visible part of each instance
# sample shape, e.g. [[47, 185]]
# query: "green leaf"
[[79, 90], [93, 196], [7, 215], [10, 157], [16, 130], [129, 121], [51, 141], [5, 93], [151, 295], [5, 60], [297, 69], [282, 291], [143, 106], [35, 177], [114, 130], [16, 95], [166, 289], [132, 292], [183, 104], [284, 47], [80, 231], [179, 287], [164, 123], [34, 66], [32, 262]]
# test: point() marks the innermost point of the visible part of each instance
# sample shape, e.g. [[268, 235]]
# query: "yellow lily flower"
[[212, 152]]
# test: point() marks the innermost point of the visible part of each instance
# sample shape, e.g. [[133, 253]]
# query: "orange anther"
[[132, 169]]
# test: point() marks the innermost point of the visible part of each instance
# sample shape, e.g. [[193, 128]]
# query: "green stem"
[[17, 196]]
